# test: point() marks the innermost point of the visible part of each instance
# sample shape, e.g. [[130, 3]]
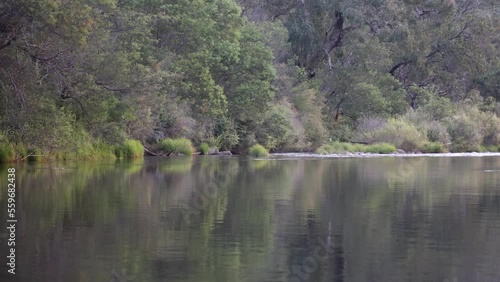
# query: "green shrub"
[[225, 134], [342, 129], [473, 128], [181, 145], [314, 130], [258, 150], [433, 147], [465, 134], [7, 153], [398, 132], [436, 132], [439, 108], [277, 128], [204, 148], [307, 103], [130, 149], [490, 128]]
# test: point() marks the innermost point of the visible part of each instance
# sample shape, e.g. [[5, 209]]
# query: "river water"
[[287, 218]]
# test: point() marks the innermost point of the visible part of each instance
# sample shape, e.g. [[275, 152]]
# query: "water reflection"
[[238, 219]]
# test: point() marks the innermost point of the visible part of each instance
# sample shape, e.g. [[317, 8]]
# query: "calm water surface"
[[238, 219]]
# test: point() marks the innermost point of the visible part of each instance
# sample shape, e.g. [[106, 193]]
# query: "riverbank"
[[371, 155]]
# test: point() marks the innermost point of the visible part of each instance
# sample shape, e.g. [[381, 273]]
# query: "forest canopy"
[[78, 78]]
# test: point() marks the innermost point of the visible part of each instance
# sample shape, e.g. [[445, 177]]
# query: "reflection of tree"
[[70, 211]]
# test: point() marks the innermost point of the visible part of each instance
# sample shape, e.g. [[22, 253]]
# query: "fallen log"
[[150, 153], [30, 155]]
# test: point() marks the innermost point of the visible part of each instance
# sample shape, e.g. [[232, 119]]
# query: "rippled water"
[[287, 218]]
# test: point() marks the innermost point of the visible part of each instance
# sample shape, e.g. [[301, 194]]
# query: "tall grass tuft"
[[204, 148], [7, 153], [342, 148], [181, 145], [10, 152], [130, 149], [380, 148], [258, 151]]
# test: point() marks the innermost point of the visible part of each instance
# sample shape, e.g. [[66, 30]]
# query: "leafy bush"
[[472, 128], [398, 132], [342, 129], [433, 147], [225, 135], [258, 150], [436, 132], [130, 149], [465, 134], [314, 130], [490, 128], [438, 108], [308, 107], [277, 128], [204, 148], [181, 145]]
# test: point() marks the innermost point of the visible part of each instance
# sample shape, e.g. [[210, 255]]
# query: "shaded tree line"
[[80, 76]]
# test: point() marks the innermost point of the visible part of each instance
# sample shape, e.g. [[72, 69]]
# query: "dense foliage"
[[80, 77]]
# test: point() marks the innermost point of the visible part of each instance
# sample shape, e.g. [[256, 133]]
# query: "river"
[[286, 218]]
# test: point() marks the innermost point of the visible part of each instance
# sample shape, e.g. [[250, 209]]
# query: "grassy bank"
[[342, 148], [130, 149], [386, 148]]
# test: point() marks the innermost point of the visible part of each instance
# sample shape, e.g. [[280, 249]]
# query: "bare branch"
[[461, 32], [398, 65], [330, 66], [40, 58]]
